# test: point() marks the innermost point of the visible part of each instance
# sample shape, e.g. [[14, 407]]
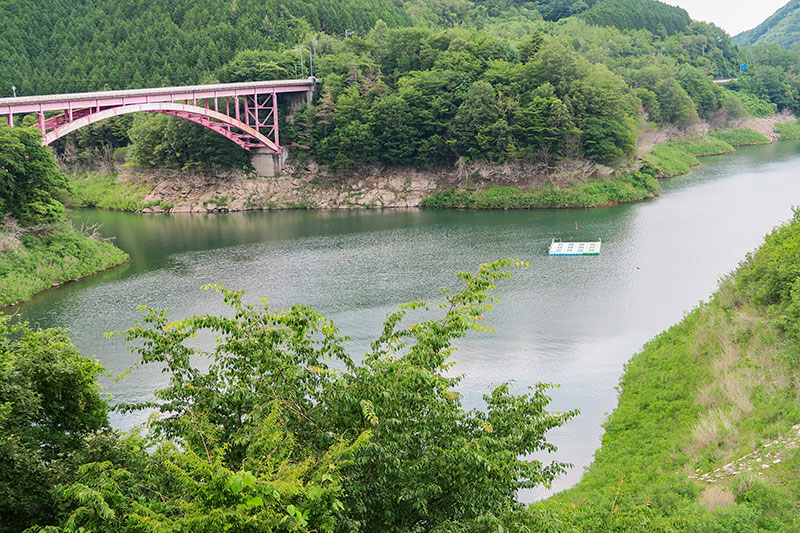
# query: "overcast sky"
[[733, 16]]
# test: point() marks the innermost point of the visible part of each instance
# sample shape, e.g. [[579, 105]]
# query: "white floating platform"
[[574, 248]]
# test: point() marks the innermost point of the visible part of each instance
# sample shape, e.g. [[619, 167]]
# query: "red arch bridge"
[[245, 113]]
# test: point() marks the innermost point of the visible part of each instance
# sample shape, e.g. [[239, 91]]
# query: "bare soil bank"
[[367, 187], [649, 137]]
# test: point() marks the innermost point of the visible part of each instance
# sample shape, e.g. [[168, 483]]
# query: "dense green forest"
[[105, 44], [425, 83], [782, 28]]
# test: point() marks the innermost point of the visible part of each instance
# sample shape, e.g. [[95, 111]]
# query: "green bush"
[[29, 177], [50, 411], [756, 106], [284, 431], [106, 192]]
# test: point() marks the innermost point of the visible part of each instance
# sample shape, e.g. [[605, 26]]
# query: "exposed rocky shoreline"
[[367, 187]]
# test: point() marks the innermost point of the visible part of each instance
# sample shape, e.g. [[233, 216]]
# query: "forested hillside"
[[623, 14], [782, 28], [71, 45], [426, 83], [657, 17], [92, 45]]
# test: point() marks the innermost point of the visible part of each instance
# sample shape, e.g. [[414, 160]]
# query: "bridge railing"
[[239, 111]]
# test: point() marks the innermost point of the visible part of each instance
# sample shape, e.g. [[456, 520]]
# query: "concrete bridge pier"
[[267, 163], [296, 101]]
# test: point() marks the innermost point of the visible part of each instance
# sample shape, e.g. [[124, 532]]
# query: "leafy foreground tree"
[[284, 431], [50, 414]]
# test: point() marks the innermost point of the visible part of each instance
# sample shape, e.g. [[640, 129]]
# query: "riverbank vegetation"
[[35, 259], [96, 189], [670, 161], [788, 131], [706, 432], [37, 248], [740, 137], [676, 157], [614, 190], [285, 431]]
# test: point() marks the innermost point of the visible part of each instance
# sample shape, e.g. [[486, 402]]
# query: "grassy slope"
[[106, 192], [788, 130], [37, 263], [740, 137], [702, 409], [673, 158], [618, 189]]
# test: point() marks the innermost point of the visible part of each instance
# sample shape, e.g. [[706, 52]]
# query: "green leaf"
[[255, 501], [241, 480], [236, 483]]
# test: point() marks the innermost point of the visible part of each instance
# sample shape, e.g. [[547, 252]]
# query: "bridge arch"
[[229, 127]]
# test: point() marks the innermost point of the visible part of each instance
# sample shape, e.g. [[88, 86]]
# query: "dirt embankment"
[[235, 191], [649, 137], [766, 125], [366, 187]]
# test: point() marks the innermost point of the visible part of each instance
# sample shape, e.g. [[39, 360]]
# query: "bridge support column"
[[266, 162]]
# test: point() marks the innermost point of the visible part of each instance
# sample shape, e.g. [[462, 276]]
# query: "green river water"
[[574, 321]]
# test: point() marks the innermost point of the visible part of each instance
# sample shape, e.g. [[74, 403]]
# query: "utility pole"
[[302, 47], [311, 55], [349, 33], [302, 67], [14, 90]]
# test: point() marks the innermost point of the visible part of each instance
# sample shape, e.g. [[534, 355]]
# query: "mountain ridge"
[[782, 28]]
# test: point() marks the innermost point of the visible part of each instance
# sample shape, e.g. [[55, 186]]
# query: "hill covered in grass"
[[706, 435]]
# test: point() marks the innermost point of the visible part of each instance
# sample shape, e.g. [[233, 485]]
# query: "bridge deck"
[[26, 104], [245, 113]]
